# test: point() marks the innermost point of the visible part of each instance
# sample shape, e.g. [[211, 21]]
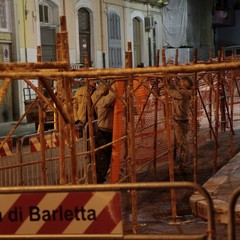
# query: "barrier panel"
[[24, 168], [80, 212], [231, 213], [9, 157], [7, 148]]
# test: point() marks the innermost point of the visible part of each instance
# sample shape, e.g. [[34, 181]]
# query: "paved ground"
[[154, 208], [220, 187]]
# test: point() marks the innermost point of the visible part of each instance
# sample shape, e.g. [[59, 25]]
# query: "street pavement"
[[220, 187]]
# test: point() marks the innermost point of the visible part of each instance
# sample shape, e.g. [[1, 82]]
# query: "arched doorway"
[[114, 44], [84, 34], [137, 41]]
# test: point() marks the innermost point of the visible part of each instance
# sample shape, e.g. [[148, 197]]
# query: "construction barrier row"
[[20, 163]]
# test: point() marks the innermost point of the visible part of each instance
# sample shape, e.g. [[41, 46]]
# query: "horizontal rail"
[[87, 73]]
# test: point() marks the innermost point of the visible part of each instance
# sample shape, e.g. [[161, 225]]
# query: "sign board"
[[60, 213]]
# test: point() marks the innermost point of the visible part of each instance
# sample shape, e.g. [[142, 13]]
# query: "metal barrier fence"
[[23, 167], [18, 217], [231, 213]]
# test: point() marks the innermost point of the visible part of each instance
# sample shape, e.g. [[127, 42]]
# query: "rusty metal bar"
[[131, 135], [55, 99], [169, 143], [217, 108], [231, 87], [68, 98], [91, 133], [61, 124], [195, 128], [211, 131], [225, 105], [121, 72], [207, 115], [41, 127]]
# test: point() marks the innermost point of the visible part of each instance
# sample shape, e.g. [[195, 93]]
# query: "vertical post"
[[155, 125], [195, 108], [217, 108], [41, 126], [91, 132], [210, 103], [69, 105], [62, 165], [131, 135], [169, 142], [231, 114]]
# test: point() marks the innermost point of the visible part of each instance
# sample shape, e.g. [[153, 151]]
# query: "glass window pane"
[[46, 14], [3, 15]]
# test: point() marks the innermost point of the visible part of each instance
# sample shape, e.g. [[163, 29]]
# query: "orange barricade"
[[117, 133]]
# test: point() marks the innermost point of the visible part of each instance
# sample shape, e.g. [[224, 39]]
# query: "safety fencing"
[[151, 134], [85, 212], [21, 165]]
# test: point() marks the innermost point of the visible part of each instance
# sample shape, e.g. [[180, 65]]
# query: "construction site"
[[59, 159]]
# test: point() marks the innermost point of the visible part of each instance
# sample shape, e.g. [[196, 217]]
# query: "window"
[[4, 25], [43, 13], [47, 13], [49, 20], [115, 45], [84, 20]]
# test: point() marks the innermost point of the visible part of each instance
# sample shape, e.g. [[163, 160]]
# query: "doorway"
[[137, 42], [84, 35]]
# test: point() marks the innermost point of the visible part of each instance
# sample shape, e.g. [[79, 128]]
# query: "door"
[[84, 35], [137, 42]]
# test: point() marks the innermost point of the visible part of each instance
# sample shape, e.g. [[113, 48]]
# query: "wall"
[[28, 31], [228, 36]]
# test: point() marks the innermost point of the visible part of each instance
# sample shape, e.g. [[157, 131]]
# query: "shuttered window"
[[48, 20], [5, 20], [115, 48], [48, 42]]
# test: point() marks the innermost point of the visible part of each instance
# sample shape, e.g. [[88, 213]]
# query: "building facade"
[[99, 29]]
